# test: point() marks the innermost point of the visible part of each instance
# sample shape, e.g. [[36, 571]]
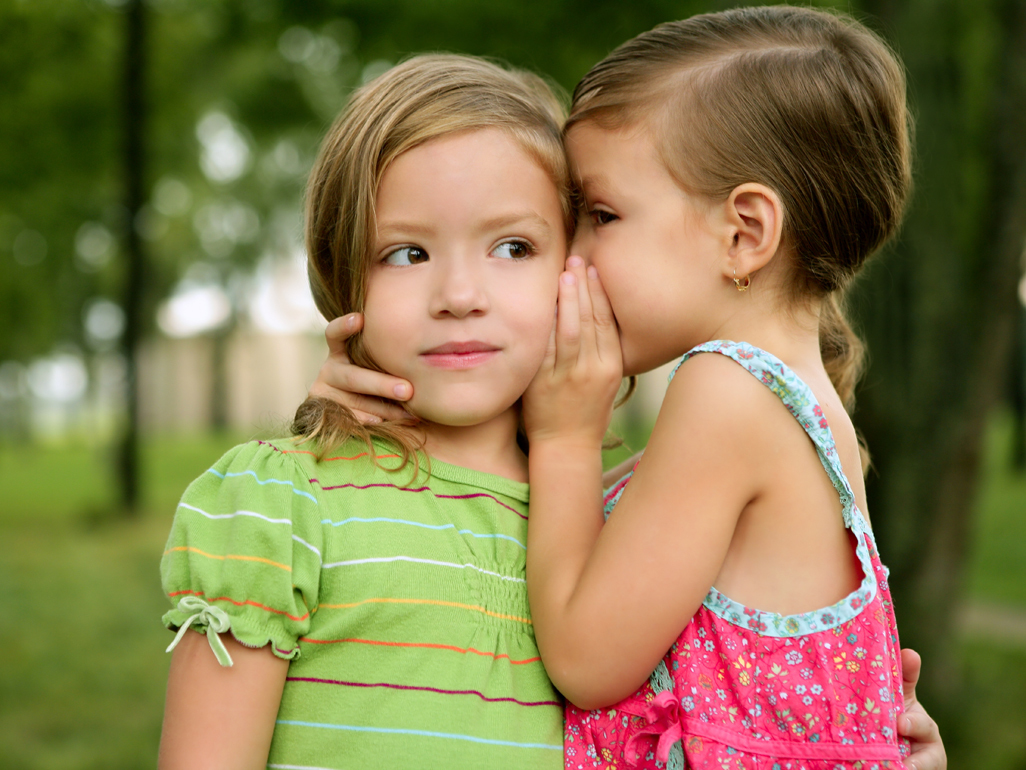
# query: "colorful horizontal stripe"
[[326, 459], [253, 514], [438, 690], [413, 560], [427, 733], [247, 603], [426, 646], [459, 605], [232, 556], [386, 485], [422, 525], [261, 481]]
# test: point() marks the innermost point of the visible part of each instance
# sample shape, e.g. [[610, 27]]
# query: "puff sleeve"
[[244, 553]]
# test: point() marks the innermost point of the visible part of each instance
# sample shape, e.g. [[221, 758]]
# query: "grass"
[[82, 680], [997, 569], [82, 683]]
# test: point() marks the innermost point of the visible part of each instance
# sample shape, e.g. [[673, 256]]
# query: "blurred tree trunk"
[[940, 310], [134, 126], [1018, 397], [219, 378]]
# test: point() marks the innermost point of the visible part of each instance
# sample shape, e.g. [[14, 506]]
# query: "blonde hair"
[[424, 98], [810, 103]]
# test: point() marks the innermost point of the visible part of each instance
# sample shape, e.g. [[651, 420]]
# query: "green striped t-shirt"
[[401, 606]]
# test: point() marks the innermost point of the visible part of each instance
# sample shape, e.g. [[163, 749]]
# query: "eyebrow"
[[520, 217], [405, 228], [495, 223]]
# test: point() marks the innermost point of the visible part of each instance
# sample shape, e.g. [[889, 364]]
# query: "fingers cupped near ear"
[[575, 265], [568, 323], [601, 308]]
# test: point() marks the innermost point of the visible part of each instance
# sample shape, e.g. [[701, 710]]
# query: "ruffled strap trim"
[[201, 614]]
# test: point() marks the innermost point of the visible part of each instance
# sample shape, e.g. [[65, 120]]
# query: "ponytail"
[[844, 357], [842, 350]]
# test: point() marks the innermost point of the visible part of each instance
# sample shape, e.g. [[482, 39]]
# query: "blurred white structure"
[[267, 360], [266, 377]]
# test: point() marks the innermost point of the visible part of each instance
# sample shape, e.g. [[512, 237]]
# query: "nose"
[[459, 289]]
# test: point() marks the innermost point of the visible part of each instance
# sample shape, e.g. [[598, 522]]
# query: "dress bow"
[[214, 618], [662, 719]]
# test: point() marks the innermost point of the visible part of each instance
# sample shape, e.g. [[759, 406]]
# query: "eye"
[[406, 255], [513, 250], [602, 217]]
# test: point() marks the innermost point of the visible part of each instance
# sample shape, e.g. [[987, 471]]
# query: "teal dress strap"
[[800, 401]]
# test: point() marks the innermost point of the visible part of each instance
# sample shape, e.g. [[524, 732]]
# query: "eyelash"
[[384, 260], [598, 214], [527, 245]]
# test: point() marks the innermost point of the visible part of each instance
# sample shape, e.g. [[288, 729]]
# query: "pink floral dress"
[[745, 689]]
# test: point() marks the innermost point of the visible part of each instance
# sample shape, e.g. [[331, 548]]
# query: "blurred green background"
[[152, 161]]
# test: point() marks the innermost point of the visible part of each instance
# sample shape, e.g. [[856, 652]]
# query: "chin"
[[455, 414]]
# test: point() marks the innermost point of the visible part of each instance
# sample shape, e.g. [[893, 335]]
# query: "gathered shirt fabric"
[[746, 689], [400, 603]]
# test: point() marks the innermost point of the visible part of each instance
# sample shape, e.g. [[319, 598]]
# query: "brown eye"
[[513, 250], [407, 255], [602, 217]]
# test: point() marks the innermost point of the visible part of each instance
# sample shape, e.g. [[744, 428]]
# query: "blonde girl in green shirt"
[[360, 593]]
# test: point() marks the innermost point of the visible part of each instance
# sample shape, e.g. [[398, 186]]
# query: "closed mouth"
[[459, 355]]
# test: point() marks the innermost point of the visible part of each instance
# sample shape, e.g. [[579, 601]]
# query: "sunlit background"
[[152, 162]]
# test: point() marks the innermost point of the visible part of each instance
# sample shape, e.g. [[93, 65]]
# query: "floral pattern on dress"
[[746, 689]]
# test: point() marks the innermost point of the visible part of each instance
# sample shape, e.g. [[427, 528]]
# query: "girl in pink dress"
[[736, 171]]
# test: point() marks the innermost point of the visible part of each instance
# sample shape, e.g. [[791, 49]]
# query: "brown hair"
[[809, 103], [424, 98]]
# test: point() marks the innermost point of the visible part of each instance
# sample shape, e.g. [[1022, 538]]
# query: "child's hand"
[[916, 725], [362, 390], [572, 395]]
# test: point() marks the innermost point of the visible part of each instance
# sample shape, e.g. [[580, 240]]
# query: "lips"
[[459, 355]]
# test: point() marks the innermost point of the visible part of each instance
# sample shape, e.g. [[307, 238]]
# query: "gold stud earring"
[[742, 286]]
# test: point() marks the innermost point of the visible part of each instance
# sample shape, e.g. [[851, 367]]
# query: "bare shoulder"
[[713, 390], [716, 419]]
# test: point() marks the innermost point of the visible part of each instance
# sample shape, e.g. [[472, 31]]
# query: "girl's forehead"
[[596, 151]]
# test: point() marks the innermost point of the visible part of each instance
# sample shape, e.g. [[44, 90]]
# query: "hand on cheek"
[[572, 396]]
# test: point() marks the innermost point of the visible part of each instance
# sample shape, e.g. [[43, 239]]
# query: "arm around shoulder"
[[216, 717]]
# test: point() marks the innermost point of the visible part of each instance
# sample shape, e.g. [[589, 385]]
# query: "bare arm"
[[219, 718], [601, 613]]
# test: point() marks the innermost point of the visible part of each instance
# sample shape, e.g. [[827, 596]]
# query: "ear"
[[756, 218]]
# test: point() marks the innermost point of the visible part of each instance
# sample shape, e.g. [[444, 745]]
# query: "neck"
[[489, 447], [790, 332]]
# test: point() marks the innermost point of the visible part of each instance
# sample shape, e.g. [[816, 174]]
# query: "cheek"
[[533, 318], [386, 325]]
